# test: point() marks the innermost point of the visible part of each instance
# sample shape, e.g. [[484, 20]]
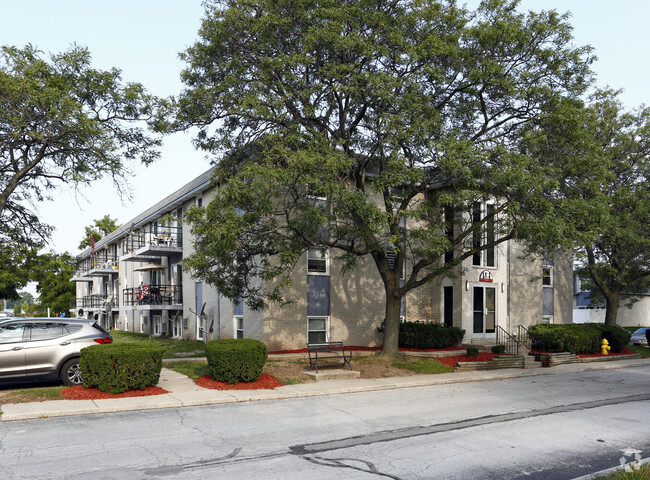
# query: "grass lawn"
[[643, 473], [291, 370], [173, 348], [643, 351]]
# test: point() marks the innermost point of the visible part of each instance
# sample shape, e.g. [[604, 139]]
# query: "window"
[[317, 330], [547, 276], [484, 234], [318, 261], [239, 326], [47, 331], [11, 333], [449, 232]]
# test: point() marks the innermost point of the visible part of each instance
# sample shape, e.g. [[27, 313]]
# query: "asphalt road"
[[557, 426]]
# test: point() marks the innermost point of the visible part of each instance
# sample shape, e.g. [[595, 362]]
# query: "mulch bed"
[[81, 393], [452, 361], [625, 351], [372, 349], [265, 382]]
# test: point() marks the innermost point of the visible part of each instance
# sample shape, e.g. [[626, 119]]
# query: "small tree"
[[99, 229], [599, 156]]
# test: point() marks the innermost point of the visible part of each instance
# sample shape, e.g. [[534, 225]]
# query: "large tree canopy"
[[600, 157], [375, 129], [62, 122]]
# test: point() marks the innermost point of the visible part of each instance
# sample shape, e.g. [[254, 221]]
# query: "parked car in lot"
[[46, 348], [639, 338]]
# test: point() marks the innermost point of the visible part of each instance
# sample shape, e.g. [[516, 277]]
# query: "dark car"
[[46, 348], [639, 338]]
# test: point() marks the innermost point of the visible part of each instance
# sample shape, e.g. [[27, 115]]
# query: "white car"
[[639, 338]]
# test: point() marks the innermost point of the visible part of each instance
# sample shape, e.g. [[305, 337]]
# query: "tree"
[[55, 289], [375, 129], [61, 122], [98, 230], [600, 158]]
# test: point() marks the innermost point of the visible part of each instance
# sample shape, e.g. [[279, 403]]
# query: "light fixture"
[[466, 284]]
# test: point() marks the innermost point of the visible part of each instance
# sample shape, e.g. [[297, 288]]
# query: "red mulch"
[[265, 382], [372, 349], [451, 361], [80, 393], [625, 351]]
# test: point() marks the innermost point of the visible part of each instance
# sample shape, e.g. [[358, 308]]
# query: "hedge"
[[235, 360], [428, 335], [577, 338], [118, 368]]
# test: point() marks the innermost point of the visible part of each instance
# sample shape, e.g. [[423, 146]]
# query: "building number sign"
[[485, 276]]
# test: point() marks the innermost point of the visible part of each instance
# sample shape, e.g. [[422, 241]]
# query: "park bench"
[[328, 351]]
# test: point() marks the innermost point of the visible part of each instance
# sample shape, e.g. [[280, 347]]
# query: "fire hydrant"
[[604, 347]]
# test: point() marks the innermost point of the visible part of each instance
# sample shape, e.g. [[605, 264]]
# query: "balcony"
[[154, 297], [103, 265], [152, 242], [94, 302]]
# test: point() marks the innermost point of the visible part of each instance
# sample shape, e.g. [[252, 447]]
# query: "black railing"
[[510, 342], [153, 235], [94, 301], [153, 295], [523, 336]]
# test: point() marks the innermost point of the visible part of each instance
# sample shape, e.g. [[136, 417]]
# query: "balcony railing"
[[153, 235], [153, 295], [94, 302]]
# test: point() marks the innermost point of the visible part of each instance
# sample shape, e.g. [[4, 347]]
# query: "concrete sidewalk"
[[183, 392]]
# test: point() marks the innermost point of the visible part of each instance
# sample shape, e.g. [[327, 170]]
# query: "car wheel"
[[71, 373]]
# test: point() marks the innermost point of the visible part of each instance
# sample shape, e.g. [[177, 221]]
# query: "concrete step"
[[332, 374], [500, 362]]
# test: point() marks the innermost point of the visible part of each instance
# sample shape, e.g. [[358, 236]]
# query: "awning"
[[147, 267]]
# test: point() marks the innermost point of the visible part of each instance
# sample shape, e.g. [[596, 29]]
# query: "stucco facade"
[[133, 280]]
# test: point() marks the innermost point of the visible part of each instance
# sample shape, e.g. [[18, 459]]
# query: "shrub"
[[472, 352], [499, 349], [118, 368], [577, 338], [232, 360], [428, 335], [618, 338]]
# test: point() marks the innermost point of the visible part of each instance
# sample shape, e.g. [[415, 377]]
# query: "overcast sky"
[[143, 38]]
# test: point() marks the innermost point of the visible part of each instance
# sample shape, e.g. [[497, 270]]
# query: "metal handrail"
[[510, 342], [523, 336]]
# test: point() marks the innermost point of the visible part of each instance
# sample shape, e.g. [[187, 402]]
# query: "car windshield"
[[641, 330]]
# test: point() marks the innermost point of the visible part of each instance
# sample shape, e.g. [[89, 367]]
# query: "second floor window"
[[318, 261]]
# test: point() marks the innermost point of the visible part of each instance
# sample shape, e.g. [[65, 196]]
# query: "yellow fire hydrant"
[[604, 347]]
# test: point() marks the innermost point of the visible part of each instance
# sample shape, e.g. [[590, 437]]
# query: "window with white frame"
[[317, 329], [318, 261], [485, 257]]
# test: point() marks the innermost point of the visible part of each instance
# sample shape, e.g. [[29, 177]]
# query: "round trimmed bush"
[[118, 368], [235, 360]]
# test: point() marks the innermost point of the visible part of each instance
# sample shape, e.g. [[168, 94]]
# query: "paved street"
[[555, 426]]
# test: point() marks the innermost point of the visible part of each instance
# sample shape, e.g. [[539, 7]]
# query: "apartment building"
[[133, 280]]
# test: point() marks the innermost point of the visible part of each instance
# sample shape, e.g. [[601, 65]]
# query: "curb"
[[183, 392]]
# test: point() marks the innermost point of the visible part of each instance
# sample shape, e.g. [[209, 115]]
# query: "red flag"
[[92, 245]]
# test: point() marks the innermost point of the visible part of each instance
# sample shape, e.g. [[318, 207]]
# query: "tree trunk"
[[613, 301], [391, 325]]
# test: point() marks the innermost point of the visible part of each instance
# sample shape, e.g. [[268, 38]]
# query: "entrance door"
[[485, 313]]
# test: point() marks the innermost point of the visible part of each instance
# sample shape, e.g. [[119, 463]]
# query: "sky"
[[143, 38]]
